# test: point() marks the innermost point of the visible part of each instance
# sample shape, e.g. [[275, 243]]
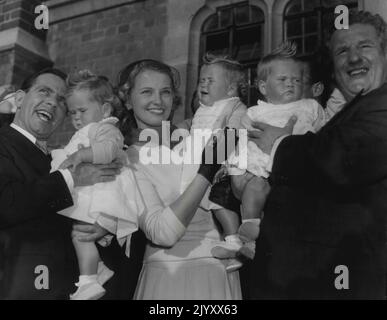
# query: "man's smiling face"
[[359, 59], [42, 108]]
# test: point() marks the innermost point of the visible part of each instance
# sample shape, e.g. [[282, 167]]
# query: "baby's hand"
[[72, 161]]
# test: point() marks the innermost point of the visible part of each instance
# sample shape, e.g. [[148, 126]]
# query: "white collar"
[[25, 133], [218, 102]]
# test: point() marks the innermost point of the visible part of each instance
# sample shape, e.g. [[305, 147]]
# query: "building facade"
[[106, 35]]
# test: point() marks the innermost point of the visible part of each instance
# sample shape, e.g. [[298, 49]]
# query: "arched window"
[[304, 22], [237, 31]]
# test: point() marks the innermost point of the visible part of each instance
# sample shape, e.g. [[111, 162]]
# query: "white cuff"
[[273, 151], [68, 179], [178, 226]]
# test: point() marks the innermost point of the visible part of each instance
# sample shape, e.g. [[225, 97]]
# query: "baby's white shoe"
[[228, 250], [104, 273], [88, 289]]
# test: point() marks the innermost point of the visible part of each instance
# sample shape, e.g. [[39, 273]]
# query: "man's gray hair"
[[375, 20]]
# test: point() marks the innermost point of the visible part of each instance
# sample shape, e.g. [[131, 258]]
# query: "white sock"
[[86, 278], [256, 221]]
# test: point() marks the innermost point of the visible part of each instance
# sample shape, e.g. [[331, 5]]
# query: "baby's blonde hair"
[[286, 51], [99, 87], [234, 70]]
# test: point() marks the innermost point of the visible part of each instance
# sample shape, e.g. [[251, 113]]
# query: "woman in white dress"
[[178, 263]]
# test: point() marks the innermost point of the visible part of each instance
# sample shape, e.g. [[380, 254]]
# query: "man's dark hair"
[[30, 80], [319, 68]]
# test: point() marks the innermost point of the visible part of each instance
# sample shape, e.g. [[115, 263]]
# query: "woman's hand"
[[216, 152]]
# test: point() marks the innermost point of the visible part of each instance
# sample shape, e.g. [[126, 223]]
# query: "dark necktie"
[[42, 145]]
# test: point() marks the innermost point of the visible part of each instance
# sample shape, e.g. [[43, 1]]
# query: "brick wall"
[[20, 13], [106, 41], [16, 62], [8, 9], [26, 63], [6, 65]]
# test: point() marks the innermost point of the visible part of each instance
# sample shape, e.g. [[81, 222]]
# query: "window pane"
[[298, 41], [247, 40], [293, 7], [311, 24], [256, 14], [252, 94], [248, 45], [225, 18], [310, 5], [293, 28], [211, 23], [334, 3], [218, 43], [242, 15], [311, 44]]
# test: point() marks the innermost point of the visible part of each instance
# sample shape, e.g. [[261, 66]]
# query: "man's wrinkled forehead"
[[355, 33]]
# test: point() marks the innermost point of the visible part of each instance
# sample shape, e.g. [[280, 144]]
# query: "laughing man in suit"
[[33, 237]]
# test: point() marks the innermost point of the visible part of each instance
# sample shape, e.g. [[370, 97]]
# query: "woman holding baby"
[[178, 263]]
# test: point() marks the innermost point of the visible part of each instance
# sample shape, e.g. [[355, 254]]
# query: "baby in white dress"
[[113, 205], [280, 80], [220, 82]]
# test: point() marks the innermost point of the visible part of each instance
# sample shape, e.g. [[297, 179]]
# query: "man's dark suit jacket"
[[327, 208], [31, 232]]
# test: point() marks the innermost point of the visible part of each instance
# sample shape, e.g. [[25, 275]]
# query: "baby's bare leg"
[[253, 201], [254, 197], [228, 219], [87, 255]]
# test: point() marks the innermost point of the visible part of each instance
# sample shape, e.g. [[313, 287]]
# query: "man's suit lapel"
[[350, 108], [347, 110], [26, 150]]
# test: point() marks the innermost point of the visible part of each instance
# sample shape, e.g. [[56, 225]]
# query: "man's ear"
[[262, 87], [232, 90], [317, 89], [107, 110], [19, 98]]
